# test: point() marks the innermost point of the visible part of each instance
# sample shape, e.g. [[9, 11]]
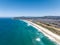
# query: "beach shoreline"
[[46, 32]]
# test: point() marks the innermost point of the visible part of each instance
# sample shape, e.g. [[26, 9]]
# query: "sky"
[[16, 8]]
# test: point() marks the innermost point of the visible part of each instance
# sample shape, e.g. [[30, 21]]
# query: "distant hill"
[[45, 17], [52, 17]]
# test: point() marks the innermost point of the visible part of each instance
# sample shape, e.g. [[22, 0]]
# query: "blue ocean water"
[[17, 32]]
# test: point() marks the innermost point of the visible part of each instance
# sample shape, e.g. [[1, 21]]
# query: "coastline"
[[45, 31]]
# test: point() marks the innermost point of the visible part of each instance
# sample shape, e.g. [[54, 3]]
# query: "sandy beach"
[[46, 32]]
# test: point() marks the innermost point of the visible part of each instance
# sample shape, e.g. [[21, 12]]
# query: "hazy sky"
[[10, 8]]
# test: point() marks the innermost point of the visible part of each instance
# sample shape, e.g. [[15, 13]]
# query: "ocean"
[[18, 32]]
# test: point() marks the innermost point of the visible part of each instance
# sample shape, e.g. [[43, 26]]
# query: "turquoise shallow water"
[[17, 32]]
